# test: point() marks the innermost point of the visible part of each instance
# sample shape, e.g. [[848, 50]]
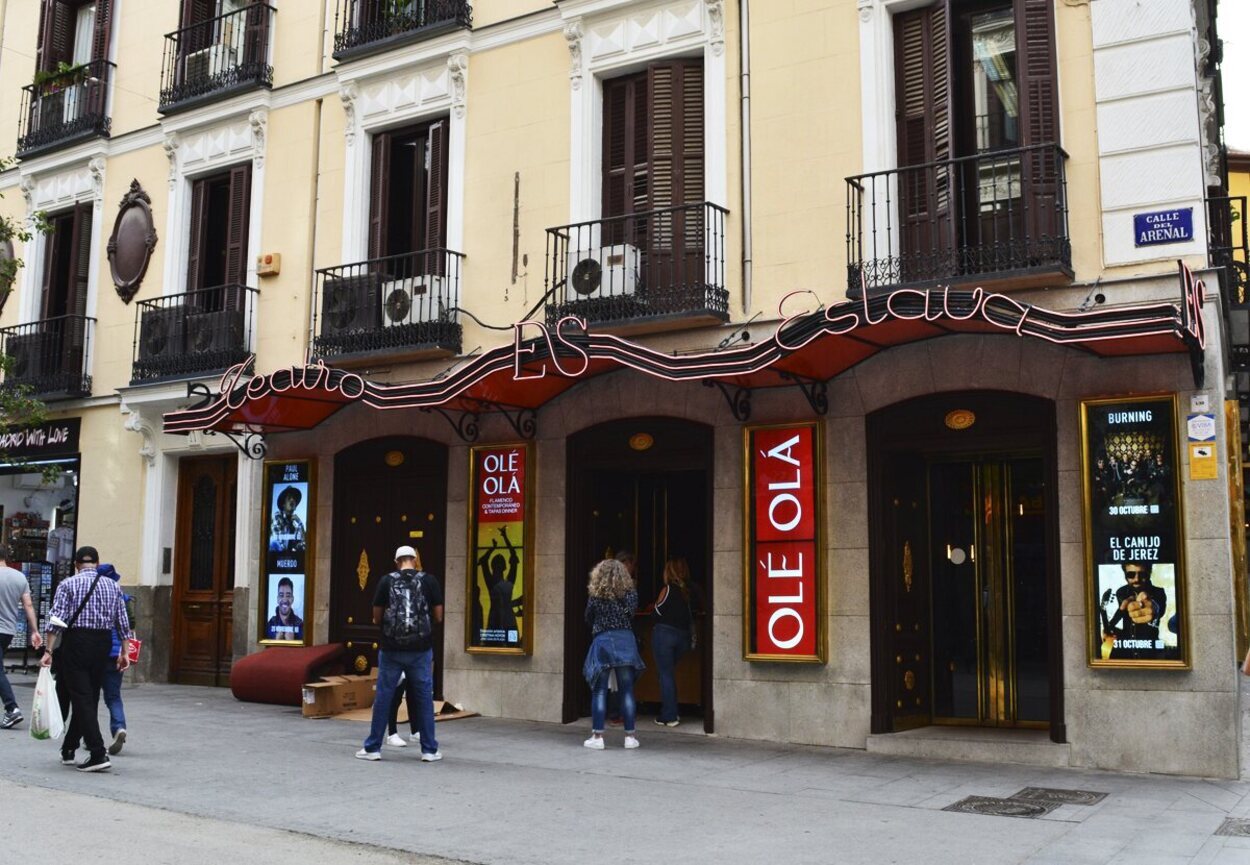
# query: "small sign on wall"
[[1163, 226]]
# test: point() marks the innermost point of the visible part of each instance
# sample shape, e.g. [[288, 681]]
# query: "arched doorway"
[[966, 615], [642, 484], [387, 492]]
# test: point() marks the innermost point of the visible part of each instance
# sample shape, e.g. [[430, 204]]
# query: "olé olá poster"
[[1135, 569], [499, 561]]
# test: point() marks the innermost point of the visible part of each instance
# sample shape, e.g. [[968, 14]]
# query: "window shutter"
[[621, 155], [51, 253], [56, 35], [196, 12], [1039, 117], [100, 35], [379, 178], [256, 36], [436, 196], [198, 235], [675, 148], [237, 224], [80, 263]]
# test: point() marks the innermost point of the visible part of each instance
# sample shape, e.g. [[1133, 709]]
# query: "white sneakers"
[[119, 739], [595, 743], [431, 756], [415, 738], [396, 740], [362, 754]]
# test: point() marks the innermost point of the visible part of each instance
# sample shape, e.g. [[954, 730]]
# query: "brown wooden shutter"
[[103, 26], [624, 154], [436, 196], [196, 12], [256, 36], [923, 97], [1039, 116], [379, 180], [196, 252], [237, 224], [675, 148], [80, 263], [56, 35], [51, 253]]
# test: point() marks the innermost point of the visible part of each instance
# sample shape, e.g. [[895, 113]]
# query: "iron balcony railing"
[[64, 107], [217, 57], [997, 214], [1228, 247], [197, 333], [400, 305], [662, 265], [49, 357], [365, 26]]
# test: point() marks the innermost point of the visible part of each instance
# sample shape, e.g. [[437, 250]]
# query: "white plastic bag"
[[45, 717]]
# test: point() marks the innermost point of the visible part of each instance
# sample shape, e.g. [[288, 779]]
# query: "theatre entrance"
[[964, 565], [387, 492], [642, 485]]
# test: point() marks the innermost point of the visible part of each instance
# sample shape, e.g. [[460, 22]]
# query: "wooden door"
[[204, 571], [387, 492]]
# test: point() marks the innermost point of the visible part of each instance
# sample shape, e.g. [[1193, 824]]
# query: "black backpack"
[[406, 620]]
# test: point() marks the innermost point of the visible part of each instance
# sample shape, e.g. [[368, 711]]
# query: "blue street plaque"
[[1163, 226]]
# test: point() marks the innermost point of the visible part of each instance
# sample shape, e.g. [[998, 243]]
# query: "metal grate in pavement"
[[1060, 796], [993, 807], [1236, 826]]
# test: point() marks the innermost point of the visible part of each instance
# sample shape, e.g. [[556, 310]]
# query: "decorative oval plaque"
[[131, 244]]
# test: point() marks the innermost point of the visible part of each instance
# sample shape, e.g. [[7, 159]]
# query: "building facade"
[[910, 327]]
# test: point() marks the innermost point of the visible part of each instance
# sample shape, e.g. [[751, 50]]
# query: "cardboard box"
[[334, 695]]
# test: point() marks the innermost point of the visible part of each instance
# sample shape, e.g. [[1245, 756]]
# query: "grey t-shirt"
[[12, 586]]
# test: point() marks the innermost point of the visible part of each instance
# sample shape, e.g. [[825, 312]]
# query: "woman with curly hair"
[[613, 648]]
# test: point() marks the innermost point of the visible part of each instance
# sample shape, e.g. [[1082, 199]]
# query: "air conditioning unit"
[[162, 332], [31, 357], [36, 481], [417, 298], [351, 303], [609, 271], [215, 331], [209, 62]]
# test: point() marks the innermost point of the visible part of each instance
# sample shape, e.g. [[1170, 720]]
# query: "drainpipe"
[[744, 62]]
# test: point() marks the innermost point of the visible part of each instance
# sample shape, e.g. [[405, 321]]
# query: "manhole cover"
[[1002, 807], [1061, 797], [1235, 826]]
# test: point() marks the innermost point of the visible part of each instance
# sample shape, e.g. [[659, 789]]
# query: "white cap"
[[405, 552]]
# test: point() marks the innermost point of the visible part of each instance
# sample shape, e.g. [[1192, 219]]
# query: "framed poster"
[[1134, 538], [287, 538], [500, 563], [783, 599]]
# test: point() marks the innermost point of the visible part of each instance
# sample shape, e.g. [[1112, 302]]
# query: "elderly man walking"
[[86, 612], [14, 596]]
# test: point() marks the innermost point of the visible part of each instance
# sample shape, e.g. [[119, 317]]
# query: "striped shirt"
[[105, 609]]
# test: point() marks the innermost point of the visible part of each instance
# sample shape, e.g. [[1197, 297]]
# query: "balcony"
[[199, 333], [999, 216], [364, 27], [49, 357], [644, 272], [216, 58], [402, 307], [64, 108], [1228, 246]]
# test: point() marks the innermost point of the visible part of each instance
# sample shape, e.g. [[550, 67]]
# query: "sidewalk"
[[516, 792]]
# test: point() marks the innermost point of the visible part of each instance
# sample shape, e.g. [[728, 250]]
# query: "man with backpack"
[[407, 603]]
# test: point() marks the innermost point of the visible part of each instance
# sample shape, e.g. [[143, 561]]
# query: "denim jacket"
[[615, 648]]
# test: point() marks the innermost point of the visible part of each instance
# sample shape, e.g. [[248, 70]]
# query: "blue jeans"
[[599, 699], [6, 690], [113, 698], [668, 644], [417, 668]]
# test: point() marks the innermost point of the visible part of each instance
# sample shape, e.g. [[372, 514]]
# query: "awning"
[[806, 349]]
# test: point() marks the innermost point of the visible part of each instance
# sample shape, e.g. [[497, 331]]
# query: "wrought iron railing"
[[399, 305], [49, 357], [194, 334], [63, 107], [663, 264], [995, 214], [367, 25], [1228, 246], [217, 57]]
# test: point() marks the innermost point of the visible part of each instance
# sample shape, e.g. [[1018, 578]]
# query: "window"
[[66, 264], [408, 191], [217, 259], [73, 33]]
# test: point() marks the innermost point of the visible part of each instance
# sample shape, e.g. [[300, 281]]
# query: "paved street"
[[207, 779]]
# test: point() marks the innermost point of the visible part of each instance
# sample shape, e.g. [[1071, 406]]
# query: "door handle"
[[192, 606]]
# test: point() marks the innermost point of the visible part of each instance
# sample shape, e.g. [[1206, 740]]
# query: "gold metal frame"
[[310, 553], [748, 569], [1237, 520], [527, 557], [1092, 655]]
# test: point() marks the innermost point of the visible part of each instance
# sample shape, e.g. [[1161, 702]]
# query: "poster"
[[1133, 538], [500, 559], [783, 619], [287, 539]]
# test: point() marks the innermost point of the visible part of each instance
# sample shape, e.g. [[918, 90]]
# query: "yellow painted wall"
[[110, 493], [1078, 133], [13, 207], [496, 11], [17, 67], [139, 41]]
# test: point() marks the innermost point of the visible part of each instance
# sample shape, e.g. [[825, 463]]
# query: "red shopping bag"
[[136, 647]]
